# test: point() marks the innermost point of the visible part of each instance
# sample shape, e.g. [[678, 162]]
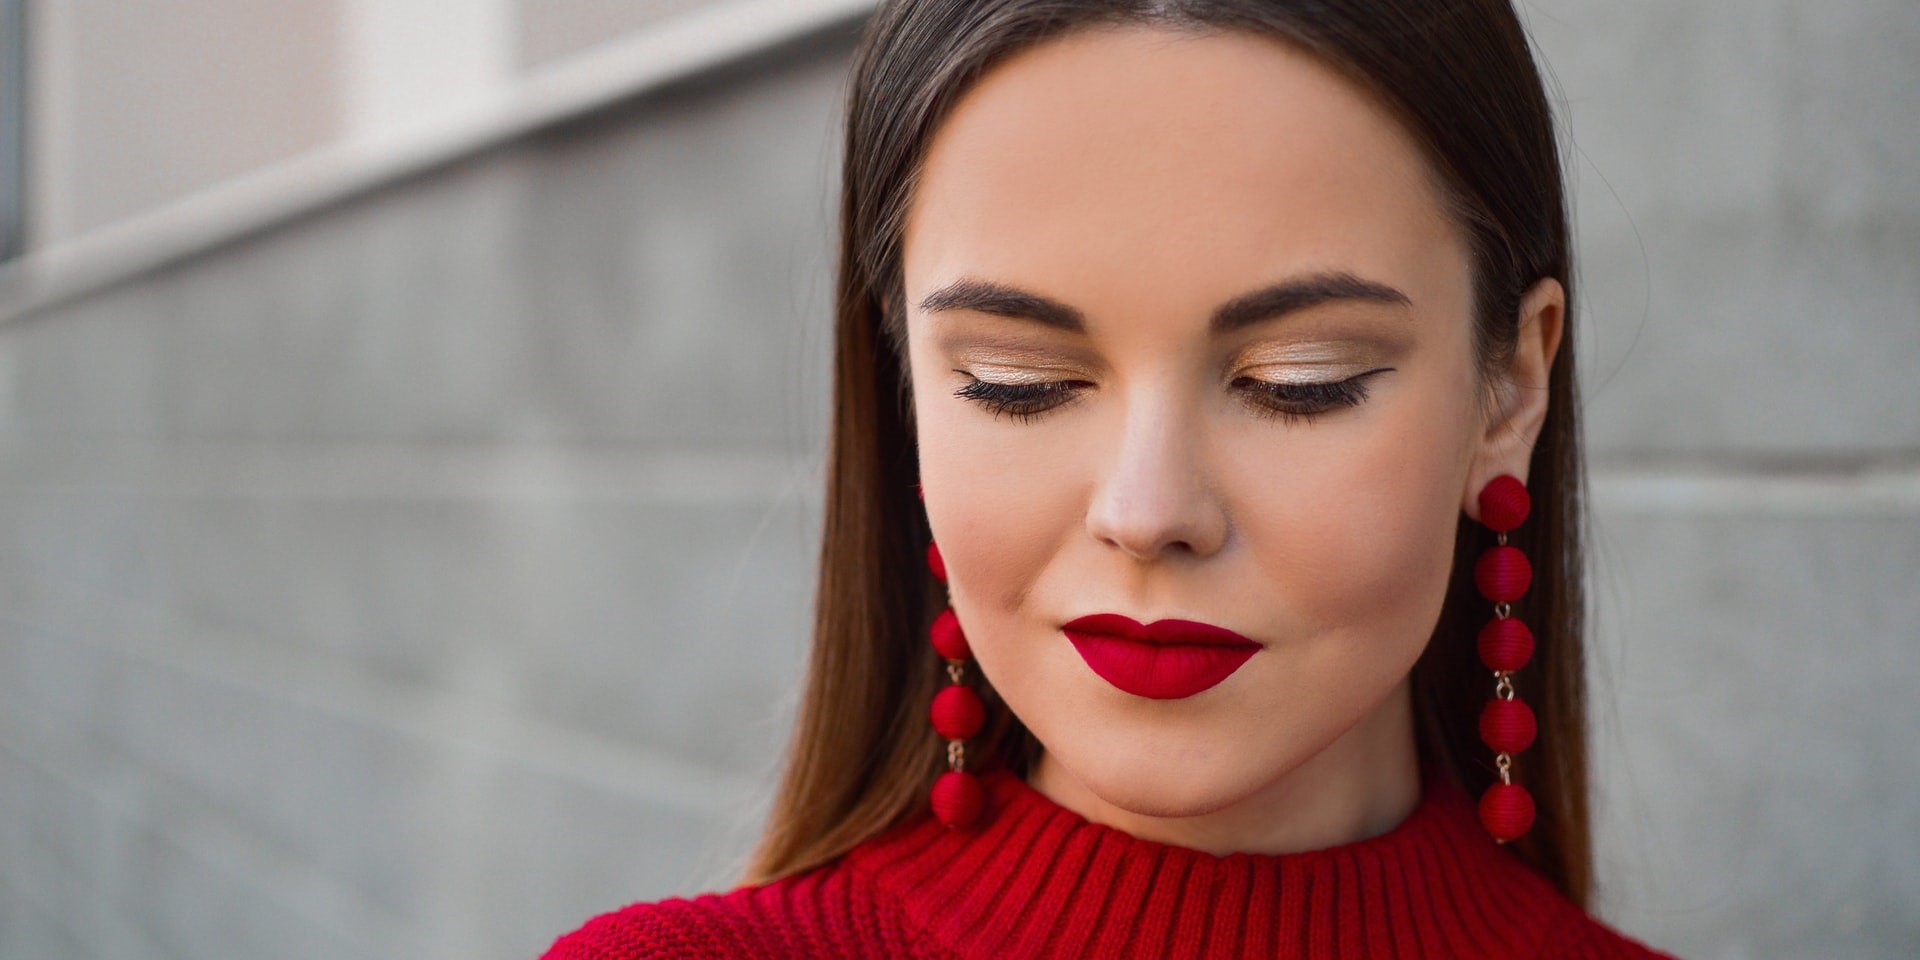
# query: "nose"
[[1156, 498]]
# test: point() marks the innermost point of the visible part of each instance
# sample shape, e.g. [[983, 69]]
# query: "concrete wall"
[[138, 106], [418, 578], [1749, 212], [421, 576]]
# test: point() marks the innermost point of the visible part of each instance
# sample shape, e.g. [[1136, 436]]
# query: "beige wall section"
[[552, 29], [138, 102], [413, 64]]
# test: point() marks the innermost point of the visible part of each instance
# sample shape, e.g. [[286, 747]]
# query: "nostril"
[[1195, 527]]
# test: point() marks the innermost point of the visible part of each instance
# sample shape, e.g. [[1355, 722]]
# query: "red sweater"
[[1035, 879]]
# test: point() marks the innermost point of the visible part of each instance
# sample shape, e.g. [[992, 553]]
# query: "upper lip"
[[1159, 631]]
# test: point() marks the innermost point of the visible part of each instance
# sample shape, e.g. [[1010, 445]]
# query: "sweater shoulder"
[[681, 928], [828, 912], [1582, 936]]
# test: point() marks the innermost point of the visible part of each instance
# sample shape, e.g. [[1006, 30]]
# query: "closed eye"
[[1305, 400], [1023, 401], [1288, 401]]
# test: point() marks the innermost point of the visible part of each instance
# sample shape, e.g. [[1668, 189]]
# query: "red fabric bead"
[[1504, 503], [935, 563], [1505, 644], [957, 798], [1507, 725], [1506, 810], [957, 712], [1503, 574], [947, 638]]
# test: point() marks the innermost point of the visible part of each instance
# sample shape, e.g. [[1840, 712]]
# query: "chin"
[[1171, 780]]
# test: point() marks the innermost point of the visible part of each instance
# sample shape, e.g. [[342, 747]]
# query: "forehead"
[[1137, 168]]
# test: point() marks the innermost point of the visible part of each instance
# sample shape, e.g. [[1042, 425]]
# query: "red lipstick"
[[1162, 660]]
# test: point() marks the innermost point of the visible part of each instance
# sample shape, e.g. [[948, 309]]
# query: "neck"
[[1034, 879], [1359, 786]]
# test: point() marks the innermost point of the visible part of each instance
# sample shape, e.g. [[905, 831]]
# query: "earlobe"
[[1520, 410]]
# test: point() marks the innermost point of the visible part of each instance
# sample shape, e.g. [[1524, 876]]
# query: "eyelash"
[[1290, 402], [1284, 400], [1022, 401]]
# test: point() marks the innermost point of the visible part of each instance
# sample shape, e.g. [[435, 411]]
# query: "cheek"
[[1361, 542], [1003, 495]]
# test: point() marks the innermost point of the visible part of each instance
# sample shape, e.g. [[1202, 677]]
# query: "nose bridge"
[[1155, 495]]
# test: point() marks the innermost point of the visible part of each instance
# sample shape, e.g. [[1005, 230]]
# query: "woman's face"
[[1213, 284]]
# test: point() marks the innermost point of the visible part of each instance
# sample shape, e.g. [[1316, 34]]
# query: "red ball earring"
[[957, 713], [1506, 724]]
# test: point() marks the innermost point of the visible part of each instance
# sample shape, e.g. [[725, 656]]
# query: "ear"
[[1518, 405]]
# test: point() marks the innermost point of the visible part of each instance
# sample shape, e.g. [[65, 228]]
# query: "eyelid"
[[1319, 396], [1295, 401], [1022, 374], [1326, 373], [1026, 352], [1345, 376], [1353, 353], [1014, 398]]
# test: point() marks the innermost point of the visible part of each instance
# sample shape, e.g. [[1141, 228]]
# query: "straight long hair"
[[1461, 78]]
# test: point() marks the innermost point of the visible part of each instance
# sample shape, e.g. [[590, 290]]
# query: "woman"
[[1204, 447]]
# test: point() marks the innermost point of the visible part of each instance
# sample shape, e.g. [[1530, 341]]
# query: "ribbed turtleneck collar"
[[1035, 879]]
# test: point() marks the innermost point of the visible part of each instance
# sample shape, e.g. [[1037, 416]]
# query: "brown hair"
[[1462, 79]]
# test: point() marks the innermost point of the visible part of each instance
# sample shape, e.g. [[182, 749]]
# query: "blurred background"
[[411, 417]]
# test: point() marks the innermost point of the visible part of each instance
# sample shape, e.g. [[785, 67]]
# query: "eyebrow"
[[1266, 303]]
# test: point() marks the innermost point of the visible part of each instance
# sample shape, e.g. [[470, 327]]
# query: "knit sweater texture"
[[1034, 879]]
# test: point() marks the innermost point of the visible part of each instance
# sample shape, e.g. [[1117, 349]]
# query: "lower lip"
[[1159, 671]]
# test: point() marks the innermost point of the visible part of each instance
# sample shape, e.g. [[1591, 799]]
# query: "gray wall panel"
[[1749, 212], [427, 574], [1759, 792]]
